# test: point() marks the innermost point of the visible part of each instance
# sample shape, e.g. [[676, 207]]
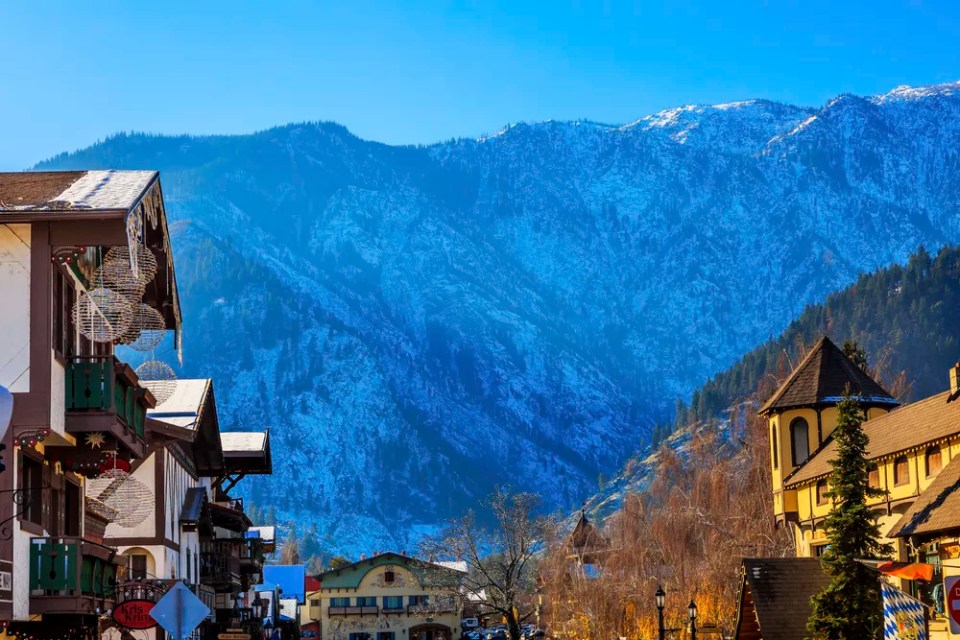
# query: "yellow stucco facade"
[[389, 597]]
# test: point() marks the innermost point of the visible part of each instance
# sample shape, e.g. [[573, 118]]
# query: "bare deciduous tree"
[[501, 559]]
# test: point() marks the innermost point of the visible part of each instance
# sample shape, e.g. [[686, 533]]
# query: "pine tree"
[[850, 607]]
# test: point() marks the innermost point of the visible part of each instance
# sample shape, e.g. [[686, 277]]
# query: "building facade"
[[102, 500], [389, 597]]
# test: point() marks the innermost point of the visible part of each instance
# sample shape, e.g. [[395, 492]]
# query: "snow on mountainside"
[[419, 323]]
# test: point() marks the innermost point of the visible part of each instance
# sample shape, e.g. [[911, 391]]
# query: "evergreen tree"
[[850, 607]]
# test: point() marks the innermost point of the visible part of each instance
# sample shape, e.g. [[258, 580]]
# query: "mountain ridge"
[[419, 323]]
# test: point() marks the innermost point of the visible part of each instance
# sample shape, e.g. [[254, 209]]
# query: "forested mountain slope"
[[417, 324]]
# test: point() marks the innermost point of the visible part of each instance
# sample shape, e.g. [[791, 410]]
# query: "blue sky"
[[418, 72]]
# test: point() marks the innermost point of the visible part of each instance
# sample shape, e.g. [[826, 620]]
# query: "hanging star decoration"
[[96, 440]]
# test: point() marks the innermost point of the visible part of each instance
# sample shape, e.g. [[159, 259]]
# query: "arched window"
[[933, 461], [799, 442], [776, 446]]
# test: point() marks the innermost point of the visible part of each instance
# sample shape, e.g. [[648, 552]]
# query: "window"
[[799, 441], [932, 461], [873, 478], [819, 549], [419, 600], [339, 602], [189, 566], [31, 483], [314, 602], [776, 446], [359, 636], [901, 471], [72, 509], [822, 492], [389, 577], [367, 601], [386, 635], [393, 603], [138, 567], [62, 303]]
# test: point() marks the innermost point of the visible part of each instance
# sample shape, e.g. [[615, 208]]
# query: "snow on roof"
[[183, 406], [459, 565], [73, 190], [107, 189], [242, 441], [267, 534]]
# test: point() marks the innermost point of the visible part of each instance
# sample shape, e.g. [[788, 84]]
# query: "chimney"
[[363, 556], [954, 378]]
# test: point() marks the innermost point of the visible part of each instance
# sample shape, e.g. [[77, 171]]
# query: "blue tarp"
[[289, 577]]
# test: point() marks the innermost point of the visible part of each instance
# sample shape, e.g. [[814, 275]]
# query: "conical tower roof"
[[823, 378]]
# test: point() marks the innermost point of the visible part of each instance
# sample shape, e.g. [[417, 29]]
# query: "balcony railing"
[[355, 611], [100, 384], [219, 569], [67, 574]]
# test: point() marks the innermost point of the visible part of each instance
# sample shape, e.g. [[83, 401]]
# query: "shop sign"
[[134, 614]]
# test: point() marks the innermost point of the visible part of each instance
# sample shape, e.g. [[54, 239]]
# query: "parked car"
[[496, 634], [469, 624], [473, 635]]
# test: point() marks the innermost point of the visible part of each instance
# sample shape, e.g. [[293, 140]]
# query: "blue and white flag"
[[904, 617]]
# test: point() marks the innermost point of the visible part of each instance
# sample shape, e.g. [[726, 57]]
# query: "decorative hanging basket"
[[145, 260], [102, 315], [147, 329], [159, 378]]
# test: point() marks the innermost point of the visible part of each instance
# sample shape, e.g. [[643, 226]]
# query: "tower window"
[[799, 442], [776, 446]]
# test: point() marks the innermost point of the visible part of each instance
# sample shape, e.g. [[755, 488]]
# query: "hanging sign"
[[134, 614]]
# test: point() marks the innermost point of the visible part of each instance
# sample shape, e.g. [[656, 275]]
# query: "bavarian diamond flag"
[[903, 615]]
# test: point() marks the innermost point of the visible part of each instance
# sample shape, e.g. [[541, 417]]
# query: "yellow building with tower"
[[913, 447]]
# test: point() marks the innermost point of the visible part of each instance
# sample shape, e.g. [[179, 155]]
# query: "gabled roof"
[[247, 451], [428, 573], [125, 200], [72, 191], [193, 407], [823, 377], [937, 510], [909, 427], [585, 537], [774, 602]]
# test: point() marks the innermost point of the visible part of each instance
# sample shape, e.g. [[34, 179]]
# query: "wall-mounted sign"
[[134, 614]]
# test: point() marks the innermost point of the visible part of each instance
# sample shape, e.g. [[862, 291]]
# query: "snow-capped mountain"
[[417, 324]]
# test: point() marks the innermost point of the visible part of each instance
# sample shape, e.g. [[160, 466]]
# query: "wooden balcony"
[[352, 611], [104, 395], [71, 575]]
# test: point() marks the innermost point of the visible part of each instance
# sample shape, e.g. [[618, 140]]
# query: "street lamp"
[[661, 597], [539, 606], [257, 606], [692, 611]]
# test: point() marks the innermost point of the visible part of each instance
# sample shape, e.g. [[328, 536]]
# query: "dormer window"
[[389, 577]]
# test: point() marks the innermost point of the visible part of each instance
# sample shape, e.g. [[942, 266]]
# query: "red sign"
[[134, 614], [951, 585]]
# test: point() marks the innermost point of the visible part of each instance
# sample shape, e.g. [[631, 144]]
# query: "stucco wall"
[[15, 319]]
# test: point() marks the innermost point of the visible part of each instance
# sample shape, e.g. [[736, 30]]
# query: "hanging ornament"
[[128, 497], [144, 261], [116, 276], [102, 315], [95, 439], [159, 378], [146, 330]]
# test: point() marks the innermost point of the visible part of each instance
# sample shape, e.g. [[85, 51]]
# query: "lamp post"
[[692, 611], [539, 606], [661, 597], [257, 606]]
